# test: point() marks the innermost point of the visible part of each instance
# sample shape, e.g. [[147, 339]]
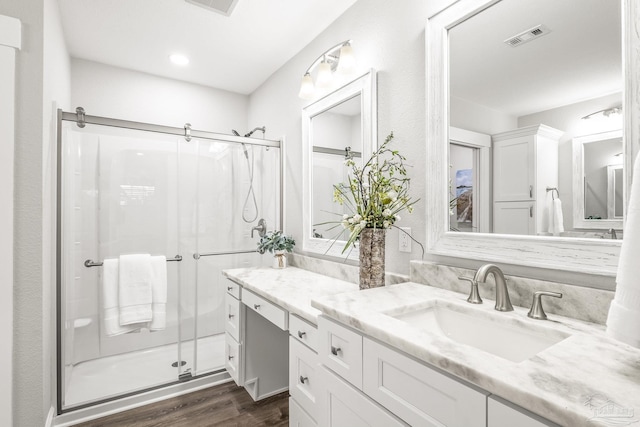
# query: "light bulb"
[[307, 89]]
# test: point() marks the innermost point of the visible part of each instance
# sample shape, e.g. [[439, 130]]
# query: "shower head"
[[262, 129]]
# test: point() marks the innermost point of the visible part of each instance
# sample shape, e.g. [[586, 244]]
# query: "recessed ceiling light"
[[178, 59]]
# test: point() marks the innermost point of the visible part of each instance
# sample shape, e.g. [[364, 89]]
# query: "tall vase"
[[372, 258]]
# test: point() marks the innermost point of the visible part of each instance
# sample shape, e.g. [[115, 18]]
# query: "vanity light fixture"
[[179, 59], [604, 113], [339, 59]]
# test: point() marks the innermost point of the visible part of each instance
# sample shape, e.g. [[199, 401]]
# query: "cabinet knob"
[[230, 357], [335, 350], [256, 306], [303, 379], [301, 334], [229, 288], [531, 191], [231, 316]]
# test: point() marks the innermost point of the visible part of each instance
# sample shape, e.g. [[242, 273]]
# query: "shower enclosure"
[[132, 188]]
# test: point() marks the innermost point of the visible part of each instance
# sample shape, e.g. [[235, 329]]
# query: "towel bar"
[[91, 263]]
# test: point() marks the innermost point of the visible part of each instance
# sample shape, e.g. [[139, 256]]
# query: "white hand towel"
[[558, 220], [159, 291], [623, 322], [134, 291], [111, 311]]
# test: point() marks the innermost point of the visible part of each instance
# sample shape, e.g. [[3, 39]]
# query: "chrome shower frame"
[[81, 119]]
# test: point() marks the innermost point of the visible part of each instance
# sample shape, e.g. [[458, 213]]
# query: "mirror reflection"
[[336, 136], [531, 76]]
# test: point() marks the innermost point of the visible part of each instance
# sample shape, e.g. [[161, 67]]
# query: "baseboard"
[[50, 417]]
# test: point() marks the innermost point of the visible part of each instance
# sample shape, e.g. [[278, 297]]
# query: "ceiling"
[[236, 53], [579, 59]]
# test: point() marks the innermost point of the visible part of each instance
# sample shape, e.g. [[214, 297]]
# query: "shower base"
[[111, 376]]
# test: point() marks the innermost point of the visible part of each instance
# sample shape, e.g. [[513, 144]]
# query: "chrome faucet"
[[503, 303]]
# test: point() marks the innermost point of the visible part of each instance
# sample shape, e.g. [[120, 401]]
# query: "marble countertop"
[[291, 288], [580, 381]]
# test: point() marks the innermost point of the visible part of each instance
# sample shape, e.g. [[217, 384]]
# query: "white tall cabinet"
[[525, 164]]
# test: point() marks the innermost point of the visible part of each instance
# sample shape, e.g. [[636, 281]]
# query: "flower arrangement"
[[274, 241], [375, 193]]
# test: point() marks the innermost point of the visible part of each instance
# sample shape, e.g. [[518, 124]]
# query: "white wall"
[[107, 91], [388, 37], [478, 118], [41, 81]]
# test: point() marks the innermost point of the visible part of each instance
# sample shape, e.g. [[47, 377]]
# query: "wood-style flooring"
[[222, 405]]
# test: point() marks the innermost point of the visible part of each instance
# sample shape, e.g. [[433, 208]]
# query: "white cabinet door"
[[341, 405], [418, 394], [232, 316], [502, 414], [232, 356], [513, 169], [303, 370], [514, 218], [298, 417]]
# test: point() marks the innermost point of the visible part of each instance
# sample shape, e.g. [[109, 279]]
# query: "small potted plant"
[[276, 243]]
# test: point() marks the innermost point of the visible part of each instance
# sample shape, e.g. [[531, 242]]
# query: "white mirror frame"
[[593, 256], [365, 86], [579, 220]]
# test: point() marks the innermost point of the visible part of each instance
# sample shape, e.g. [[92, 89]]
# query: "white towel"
[[134, 289], [159, 291], [110, 305], [623, 322], [556, 221]]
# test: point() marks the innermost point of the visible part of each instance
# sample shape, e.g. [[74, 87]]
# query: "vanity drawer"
[[233, 288], [417, 393], [304, 332], [266, 309], [303, 364], [232, 316], [232, 357], [341, 350]]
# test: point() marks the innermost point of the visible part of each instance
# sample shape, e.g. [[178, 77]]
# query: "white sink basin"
[[496, 333]]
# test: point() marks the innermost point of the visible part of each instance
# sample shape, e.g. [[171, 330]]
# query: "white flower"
[[345, 217], [392, 195], [397, 217], [363, 224], [386, 213], [386, 224], [345, 224], [350, 221], [357, 218]]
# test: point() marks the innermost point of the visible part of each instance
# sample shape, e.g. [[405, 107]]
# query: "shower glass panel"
[[127, 191]]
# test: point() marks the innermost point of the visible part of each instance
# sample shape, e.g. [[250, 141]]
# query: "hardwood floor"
[[222, 405]]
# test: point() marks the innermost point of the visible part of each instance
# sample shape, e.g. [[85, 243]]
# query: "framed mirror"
[[594, 256], [341, 125], [598, 182]]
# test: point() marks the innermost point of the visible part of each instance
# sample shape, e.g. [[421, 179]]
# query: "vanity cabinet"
[[384, 381], [256, 342], [303, 368], [525, 163]]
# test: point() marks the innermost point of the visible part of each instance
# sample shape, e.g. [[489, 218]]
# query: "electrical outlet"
[[404, 240]]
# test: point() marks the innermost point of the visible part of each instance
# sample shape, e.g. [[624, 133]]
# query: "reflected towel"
[[623, 322], [159, 293], [556, 220], [111, 311], [134, 289]]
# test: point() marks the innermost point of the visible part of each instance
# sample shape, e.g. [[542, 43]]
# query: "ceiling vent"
[[224, 7], [527, 36]]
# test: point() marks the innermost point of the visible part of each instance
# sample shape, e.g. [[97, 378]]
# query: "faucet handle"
[[474, 295], [536, 311]]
